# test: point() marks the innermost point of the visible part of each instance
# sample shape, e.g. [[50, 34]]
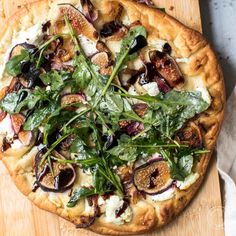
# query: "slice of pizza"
[[110, 111]]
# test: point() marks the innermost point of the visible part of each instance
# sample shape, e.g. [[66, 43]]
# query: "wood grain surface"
[[203, 217]]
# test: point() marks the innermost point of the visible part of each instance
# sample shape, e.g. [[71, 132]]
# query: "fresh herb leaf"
[[78, 194], [123, 56], [9, 102], [52, 78], [14, 65], [34, 120]]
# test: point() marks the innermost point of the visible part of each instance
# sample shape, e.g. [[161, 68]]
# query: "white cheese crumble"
[[157, 44], [188, 181], [31, 35], [6, 128], [197, 83], [17, 144], [205, 94], [151, 88], [168, 194], [88, 45], [182, 60], [111, 205]]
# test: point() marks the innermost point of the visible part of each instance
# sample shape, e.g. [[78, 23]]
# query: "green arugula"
[[78, 194]]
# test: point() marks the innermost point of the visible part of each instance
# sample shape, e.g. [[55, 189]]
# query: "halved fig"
[[191, 135], [167, 67], [102, 47], [14, 86], [3, 92], [25, 137], [59, 179], [153, 177], [17, 122], [131, 127], [89, 10], [140, 108], [113, 30], [71, 99], [100, 59], [2, 114], [79, 22]]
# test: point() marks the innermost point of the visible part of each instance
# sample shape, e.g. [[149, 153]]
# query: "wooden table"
[[203, 217]]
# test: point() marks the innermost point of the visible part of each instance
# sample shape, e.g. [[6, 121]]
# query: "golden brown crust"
[[186, 43]]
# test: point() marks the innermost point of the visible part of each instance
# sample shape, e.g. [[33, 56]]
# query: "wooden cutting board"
[[203, 217]]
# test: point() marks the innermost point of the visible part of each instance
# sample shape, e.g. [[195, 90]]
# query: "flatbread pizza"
[[109, 111]]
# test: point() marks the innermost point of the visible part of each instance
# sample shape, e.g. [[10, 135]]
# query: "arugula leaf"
[[185, 163], [124, 152], [123, 56], [9, 102], [52, 78], [78, 194], [176, 172], [13, 66], [38, 116], [81, 149]]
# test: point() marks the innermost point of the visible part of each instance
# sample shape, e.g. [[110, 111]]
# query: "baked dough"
[[186, 43]]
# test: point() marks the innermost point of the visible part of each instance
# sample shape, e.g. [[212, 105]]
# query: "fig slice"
[[62, 178], [25, 137], [17, 122], [167, 67], [191, 135], [79, 22], [153, 177], [2, 114], [72, 99]]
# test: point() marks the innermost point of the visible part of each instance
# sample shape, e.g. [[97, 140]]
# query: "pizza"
[[110, 111]]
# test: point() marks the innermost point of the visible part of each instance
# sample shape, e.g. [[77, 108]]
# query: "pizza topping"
[[25, 137], [16, 50], [89, 10], [79, 22], [17, 122], [167, 48], [70, 100], [53, 176], [188, 181], [113, 30], [117, 210], [153, 177], [138, 43], [166, 195], [167, 67], [190, 134], [100, 111]]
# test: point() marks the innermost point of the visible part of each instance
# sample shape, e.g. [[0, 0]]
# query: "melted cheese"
[[87, 45], [188, 181], [17, 144], [196, 83], [111, 205], [151, 88], [168, 194], [6, 127]]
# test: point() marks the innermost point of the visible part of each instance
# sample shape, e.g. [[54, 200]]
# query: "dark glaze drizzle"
[[122, 209], [139, 43]]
